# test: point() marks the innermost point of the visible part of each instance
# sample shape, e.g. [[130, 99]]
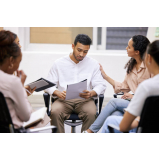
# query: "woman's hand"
[[106, 77], [127, 96], [102, 71], [22, 76], [30, 90]]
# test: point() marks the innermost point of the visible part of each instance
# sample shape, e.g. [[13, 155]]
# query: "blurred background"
[[41, 46]]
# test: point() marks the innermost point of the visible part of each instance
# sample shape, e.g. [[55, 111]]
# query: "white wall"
[[38, 58], [151, 34], [38, 64]]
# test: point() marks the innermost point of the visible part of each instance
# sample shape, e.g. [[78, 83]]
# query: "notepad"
[[73, 90], [35, 117]]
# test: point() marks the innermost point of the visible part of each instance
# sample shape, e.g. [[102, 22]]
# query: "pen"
[[28, 91]]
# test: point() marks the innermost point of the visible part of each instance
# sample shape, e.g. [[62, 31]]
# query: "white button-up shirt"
[[65, 71]]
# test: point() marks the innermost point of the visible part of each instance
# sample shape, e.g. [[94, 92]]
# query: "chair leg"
[[73, 128]]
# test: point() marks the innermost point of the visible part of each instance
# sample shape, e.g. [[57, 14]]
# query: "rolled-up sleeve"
[[121, 87], [52, 77], [97, 82]]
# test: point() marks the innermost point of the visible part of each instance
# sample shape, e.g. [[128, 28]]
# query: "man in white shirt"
[[71, 69]]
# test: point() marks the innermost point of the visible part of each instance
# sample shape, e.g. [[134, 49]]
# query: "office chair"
[[6, 125], [73, 117], [149, 121]]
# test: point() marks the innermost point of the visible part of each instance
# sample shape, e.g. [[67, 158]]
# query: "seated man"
[[71, 69]]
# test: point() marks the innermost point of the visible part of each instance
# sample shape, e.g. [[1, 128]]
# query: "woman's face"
[[14, 62], [130, 49], [17, 42]]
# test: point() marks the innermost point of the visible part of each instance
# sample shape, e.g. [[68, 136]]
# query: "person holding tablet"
[[12, 86]]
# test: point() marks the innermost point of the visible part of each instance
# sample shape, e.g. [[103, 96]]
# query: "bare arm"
[[126, 123], [106, 77]]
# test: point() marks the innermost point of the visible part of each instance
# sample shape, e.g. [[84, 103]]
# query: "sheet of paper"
[[35, 116], [73, 90], [38, 84]]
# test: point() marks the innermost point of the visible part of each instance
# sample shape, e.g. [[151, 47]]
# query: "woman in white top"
[[149, 87]]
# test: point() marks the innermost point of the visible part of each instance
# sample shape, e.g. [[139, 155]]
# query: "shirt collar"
[[74, 62], [142, 66]]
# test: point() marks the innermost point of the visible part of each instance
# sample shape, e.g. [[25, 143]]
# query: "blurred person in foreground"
[[12, 86], [129, 122]]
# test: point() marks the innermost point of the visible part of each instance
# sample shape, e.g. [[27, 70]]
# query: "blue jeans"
[[114, 107], [115, 120]]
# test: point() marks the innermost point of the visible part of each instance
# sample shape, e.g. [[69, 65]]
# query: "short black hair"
[[83, 39]]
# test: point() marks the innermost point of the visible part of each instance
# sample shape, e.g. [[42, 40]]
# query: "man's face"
[[80, 51]]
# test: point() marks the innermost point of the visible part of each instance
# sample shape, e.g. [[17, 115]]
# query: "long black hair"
[[140, 44]]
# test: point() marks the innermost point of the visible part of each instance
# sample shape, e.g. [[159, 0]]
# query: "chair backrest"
[[149, 122], [6, 125]]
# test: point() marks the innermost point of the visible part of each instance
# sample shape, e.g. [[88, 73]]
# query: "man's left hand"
[[87, 94]]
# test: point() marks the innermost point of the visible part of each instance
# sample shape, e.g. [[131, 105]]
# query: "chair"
[[73, 117], [6, 125], [118, 94], [149, 121]]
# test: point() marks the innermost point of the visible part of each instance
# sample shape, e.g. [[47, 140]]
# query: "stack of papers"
[[73, 90]]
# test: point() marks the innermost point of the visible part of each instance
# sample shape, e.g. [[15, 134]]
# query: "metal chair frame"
[[73, 117]]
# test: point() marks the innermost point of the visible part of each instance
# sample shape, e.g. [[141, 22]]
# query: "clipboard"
[[48, 85]]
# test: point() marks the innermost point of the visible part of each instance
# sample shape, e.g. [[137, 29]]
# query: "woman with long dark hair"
[[149, 87], [136, 73]]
